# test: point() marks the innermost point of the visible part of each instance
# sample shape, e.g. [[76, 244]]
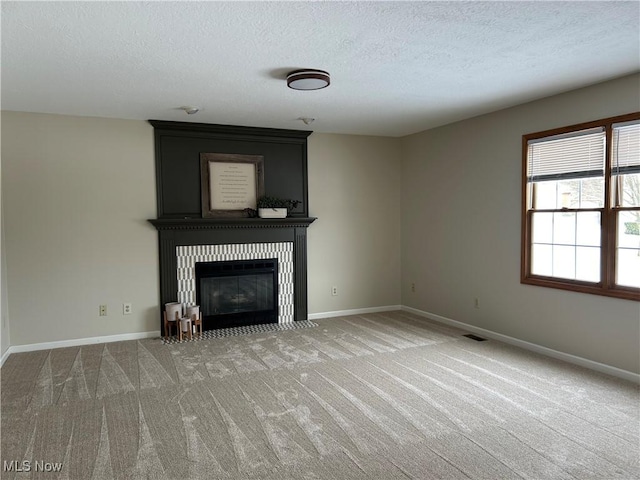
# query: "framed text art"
[[230, 183]]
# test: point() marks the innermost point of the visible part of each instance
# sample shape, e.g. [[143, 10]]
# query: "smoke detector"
[[190, 109]]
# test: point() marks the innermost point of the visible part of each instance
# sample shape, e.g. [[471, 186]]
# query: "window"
[[581, 208]]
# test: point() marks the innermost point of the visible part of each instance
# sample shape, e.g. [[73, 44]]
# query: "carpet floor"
[[377, 396]]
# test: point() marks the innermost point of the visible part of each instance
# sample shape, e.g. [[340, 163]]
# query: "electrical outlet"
[[103, 310], [334, 291], [413, 287], [126, 309], [476, 303]]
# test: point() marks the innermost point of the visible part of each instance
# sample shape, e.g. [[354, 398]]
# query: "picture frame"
[[230, 183]]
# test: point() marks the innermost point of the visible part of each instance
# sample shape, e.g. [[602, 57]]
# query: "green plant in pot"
[[275, 207]]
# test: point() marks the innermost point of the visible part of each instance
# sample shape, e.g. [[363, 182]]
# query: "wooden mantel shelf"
[[230, 222]]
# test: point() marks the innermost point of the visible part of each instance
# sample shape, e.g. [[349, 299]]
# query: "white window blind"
[[626, 148], [573, 155]]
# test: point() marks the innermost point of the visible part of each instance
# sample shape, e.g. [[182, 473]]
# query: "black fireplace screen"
[[235, 294], [239, 292]]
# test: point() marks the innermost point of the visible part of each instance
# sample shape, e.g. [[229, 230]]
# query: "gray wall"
[[461, 202]]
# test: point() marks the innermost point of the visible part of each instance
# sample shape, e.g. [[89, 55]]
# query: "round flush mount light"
[[308, 79]]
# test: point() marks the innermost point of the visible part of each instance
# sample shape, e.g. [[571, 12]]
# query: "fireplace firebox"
[[237, 292]]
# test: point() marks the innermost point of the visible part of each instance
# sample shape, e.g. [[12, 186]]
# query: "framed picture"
[[230, 183]]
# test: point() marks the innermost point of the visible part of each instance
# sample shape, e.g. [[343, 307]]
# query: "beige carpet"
[[379, 396]]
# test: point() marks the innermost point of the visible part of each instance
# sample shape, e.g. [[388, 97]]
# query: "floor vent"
[[475, 337]]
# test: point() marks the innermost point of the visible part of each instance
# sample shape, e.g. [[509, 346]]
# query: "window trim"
[[606, 286]]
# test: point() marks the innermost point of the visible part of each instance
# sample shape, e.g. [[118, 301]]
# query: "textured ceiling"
[[396, 67]]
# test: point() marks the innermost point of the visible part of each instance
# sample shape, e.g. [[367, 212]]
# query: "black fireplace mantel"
[[229, 222], [173, 232]]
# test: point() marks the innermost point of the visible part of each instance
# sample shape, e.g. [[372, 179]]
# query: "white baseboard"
[[78, 342], [5, 356], [567, 357], [355, 311], [583, 362]]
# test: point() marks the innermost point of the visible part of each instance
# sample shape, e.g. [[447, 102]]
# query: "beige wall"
[[5, 339], [354, 190], [77, 192], [461, 230], [4, 312]]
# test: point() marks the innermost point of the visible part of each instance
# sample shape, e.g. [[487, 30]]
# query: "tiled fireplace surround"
[[184, 242], [188, 256]]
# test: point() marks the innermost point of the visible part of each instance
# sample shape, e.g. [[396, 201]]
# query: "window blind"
[[567, 156], [626, 148]]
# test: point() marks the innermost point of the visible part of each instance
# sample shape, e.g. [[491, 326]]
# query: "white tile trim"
[[188, 255], [549, 352]]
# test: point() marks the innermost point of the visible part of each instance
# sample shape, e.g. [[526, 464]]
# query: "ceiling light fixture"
[[307, 120], [308, 79], [190, 110]]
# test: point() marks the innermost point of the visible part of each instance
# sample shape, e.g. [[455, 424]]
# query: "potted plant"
[[274, 207]]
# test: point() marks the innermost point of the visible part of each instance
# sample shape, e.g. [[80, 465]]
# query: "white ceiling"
[[396, 67]]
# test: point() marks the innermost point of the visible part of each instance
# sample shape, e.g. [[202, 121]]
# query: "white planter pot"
[[184, 324], [193, 310], [272, 212], [172, 309]]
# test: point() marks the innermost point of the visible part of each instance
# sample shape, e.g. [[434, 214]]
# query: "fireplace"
[[186, 238], [238, 292], [269, 259], [187, 242]]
